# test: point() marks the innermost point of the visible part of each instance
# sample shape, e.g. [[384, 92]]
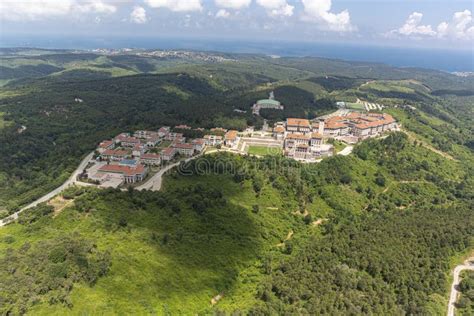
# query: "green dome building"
[[269, 103]]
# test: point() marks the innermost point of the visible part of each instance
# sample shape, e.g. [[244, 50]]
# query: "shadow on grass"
[[195, 240]]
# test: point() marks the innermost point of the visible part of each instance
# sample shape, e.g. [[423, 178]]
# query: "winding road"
[[50, 195], [154, 183], [468, 265]]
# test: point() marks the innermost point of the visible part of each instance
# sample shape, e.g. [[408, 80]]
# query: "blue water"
[[440, 59]]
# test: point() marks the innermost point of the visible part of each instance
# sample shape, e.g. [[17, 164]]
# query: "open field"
[[355, 106], [263, 150]]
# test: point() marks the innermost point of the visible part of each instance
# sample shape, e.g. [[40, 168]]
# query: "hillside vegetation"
[[371, 233]]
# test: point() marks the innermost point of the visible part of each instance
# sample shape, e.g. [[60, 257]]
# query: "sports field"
[[264, 150]]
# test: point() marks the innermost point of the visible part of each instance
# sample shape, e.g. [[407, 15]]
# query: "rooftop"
[[168, 151], [231, 135], [151, 156], [106, 143], [184, 146], [297, 136], [297, 122], [268, 101], [126, 170], [128, 162], [115, 152]]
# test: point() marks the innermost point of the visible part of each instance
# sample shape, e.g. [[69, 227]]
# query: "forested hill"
[[372, 233], [376, 232], [126, 92]]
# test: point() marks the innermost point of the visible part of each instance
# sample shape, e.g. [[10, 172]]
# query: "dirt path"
[[59, 203], [288, 237], [428, 146], [319, 222]]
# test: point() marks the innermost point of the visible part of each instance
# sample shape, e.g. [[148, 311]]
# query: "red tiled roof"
[[126, 170], [335, 125], [150, 156], [126, 139], [231, 135], [105, 143], [297, 122], [297, 136], [114, 152], [316, 135], [184, 146], [168, 151], [279, 129]]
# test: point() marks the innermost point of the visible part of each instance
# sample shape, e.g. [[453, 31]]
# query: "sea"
[[449, 60]]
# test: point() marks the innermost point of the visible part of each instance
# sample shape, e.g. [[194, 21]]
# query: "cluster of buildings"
[[306, 140], [360, 125], [128, 157], [301, 140]]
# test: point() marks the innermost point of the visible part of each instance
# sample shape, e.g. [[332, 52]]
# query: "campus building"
[[130, 174], [269, 103], [231, 138], [150, 159]]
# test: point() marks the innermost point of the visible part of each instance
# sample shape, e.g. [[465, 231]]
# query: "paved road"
[[346, 151], [468, 265], [50, 195], [154, 183]]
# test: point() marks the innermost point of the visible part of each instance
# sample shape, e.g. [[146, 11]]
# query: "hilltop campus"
[[128, 159]]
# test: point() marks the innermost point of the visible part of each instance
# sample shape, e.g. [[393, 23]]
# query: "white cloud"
[[412, 26], [44, 9], [318, 11], [95, 6], [222, 13], [232, 4], [176, 5], [138, 15], [276, 7], [459, 28]]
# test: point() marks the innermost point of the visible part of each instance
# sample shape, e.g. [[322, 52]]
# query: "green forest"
[[373, 233]]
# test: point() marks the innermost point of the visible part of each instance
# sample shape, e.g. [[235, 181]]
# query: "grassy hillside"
[[369, 233]]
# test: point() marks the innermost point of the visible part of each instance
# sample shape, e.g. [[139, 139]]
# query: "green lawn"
[[264, 150], [338, 145], [355, 106]]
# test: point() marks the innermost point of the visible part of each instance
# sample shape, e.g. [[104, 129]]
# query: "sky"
[[403, 23]]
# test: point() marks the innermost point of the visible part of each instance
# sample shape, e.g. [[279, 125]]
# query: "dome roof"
[[268, 101]]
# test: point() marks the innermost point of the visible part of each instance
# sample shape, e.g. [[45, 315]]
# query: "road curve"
[[469, 265], [50, 195], [154, 183], [346, 151]]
